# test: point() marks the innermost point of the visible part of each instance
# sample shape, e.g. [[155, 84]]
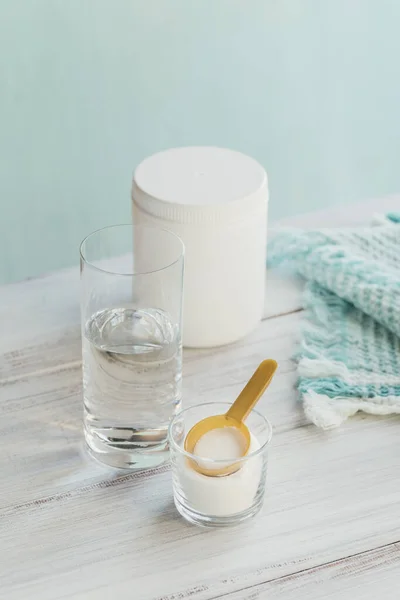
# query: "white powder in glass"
[[226, 495]]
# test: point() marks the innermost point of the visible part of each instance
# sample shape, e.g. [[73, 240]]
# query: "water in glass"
[[132, 384]]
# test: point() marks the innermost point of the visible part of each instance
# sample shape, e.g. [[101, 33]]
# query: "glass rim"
[[132, 226], [218, 461]]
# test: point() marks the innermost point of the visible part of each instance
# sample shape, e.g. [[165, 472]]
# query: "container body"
[[131, 308], [225, 242]]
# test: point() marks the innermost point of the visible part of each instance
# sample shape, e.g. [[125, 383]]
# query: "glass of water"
[[131, 308]]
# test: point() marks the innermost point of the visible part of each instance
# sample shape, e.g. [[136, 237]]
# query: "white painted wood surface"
[[70, 528]]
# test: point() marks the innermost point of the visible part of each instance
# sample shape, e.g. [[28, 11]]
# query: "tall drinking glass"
[[131, 308]]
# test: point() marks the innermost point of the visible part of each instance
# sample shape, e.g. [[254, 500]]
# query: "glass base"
[[132, 458], [209, 521]]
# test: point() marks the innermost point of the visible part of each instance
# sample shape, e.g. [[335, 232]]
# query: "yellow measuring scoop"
[[234, 418]]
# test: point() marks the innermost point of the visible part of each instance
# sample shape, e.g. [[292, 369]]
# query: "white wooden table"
[[70, 528]]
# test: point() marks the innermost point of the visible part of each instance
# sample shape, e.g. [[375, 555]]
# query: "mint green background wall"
[[310, 88]]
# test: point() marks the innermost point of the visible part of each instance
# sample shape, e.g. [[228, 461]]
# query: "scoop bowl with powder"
[[236, 439]]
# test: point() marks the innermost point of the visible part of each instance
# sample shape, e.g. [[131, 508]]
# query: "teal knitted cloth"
[[349, 355]]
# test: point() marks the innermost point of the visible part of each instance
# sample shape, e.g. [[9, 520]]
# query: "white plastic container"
[[216, 201]]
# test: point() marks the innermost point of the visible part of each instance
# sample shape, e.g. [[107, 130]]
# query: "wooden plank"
[[366, 576], [46, 405], [51, 483], [33, 309], [330, 494], [51, 340], [329, 497], [48, 334]]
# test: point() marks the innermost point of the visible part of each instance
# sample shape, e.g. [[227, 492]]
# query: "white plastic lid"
[[199, 184]]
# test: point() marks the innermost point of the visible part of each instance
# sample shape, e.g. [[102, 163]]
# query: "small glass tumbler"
[[131, 308], [222, 500]]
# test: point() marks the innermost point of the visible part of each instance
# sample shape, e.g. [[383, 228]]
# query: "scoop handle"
[[253, 390]]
